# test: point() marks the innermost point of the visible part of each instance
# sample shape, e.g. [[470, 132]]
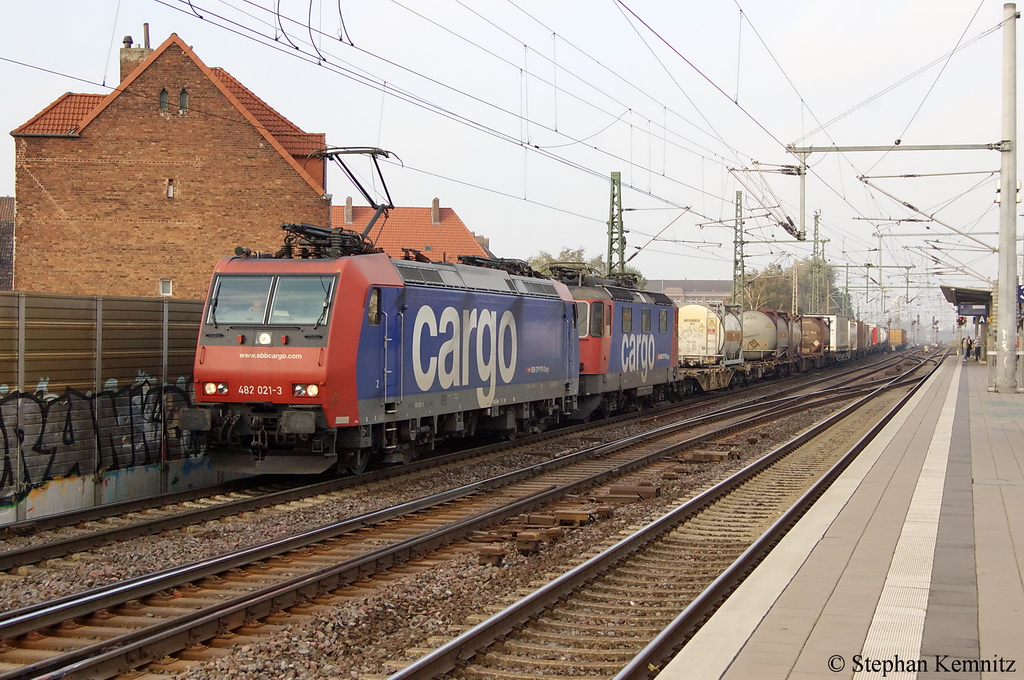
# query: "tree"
[[541, 260], [772, 288], [769, 288]]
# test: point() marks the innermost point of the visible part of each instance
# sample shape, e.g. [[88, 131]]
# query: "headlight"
[[305, 390], [212, 388], [264, 338]]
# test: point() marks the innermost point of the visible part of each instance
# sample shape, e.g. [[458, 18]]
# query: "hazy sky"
[[515, 112]]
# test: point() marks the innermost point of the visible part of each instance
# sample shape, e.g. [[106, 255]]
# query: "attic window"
[[163, 100], [183, 101]]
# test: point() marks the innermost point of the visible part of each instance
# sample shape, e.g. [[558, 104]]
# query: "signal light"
[[961, 320]]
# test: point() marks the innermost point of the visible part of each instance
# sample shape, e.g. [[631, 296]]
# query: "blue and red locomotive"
[[628, 348], [333, 354]]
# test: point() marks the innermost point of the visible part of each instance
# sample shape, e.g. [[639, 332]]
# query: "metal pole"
[[803, 195], [739, 277], [1006, 379], [21, 511], [616, 232]]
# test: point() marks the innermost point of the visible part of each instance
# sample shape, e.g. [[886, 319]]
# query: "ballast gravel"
[[371, 635]]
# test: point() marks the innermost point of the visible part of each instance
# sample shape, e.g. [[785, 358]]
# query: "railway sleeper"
[[573, 611], [634, 602], [557, 626], [624, 651], [485, 673], [516, 662], [630, 589], [593, 641]]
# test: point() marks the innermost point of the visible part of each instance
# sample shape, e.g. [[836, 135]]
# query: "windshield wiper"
[[213, 307], [323, 314]]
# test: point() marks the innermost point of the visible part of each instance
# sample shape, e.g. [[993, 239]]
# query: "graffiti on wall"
[[46, 436]]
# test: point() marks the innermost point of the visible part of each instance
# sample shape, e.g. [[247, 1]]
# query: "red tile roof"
[[412, 228], [63, 116], [291, 137], [73, 112]]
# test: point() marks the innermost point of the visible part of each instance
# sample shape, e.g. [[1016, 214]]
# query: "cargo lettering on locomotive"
[[450, 367], [638, 353]]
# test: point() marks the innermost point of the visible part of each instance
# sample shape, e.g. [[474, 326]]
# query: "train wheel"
[[360, 460]]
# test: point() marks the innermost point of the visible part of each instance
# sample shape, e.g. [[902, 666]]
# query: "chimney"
[[435, 212], [348, 210], [131, 57], [484, 242]]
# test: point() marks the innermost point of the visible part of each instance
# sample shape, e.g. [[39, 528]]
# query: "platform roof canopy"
[[968, 296]]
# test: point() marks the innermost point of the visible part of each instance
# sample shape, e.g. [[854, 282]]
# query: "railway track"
[[98, 632], [618, 614], [58, 536]]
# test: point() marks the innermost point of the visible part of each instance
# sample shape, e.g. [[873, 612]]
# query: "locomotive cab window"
[[301, 300], [645, 321], [597, 320], [583, 316], [259, 300], [373, 308], [240, 299], [627, 319], [663, 320]]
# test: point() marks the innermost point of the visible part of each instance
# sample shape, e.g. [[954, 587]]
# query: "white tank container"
[[709, 334], [760, 336]]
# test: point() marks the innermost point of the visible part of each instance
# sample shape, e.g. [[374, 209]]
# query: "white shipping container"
[[839, 333]]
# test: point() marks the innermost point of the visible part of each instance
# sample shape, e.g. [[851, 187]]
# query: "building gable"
[[132, 193], [72, 113]]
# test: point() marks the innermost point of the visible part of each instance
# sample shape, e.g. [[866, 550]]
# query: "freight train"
[[331, 354]]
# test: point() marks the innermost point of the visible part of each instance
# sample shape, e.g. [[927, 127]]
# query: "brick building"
[[436, 232], [144, 189]]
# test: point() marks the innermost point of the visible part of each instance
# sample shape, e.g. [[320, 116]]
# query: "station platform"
[[909, 566]]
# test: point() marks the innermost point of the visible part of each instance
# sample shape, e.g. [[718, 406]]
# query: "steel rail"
[[33, 617], [672, 638], [154, 641], [59, 548], [53, 549], [463, 647]]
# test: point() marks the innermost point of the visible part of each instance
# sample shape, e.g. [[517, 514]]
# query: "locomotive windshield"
[[269, 300]]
